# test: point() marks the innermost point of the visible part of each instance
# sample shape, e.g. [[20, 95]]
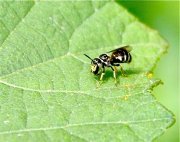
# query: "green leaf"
[[47, 92]]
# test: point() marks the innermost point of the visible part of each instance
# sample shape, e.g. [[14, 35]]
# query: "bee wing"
[[127, 48]]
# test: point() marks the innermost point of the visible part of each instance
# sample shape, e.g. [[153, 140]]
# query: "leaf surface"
[[47, 92]]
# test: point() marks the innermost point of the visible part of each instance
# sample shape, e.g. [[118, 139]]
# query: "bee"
[[118, 56]]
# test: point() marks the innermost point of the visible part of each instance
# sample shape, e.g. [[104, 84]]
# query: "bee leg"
[[102, 74], [114, 73], [101, 78], [122, 71]]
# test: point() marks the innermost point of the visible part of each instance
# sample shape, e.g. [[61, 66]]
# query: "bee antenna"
[[88, 57]]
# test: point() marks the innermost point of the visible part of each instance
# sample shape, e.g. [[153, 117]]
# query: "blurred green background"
[[164, 17]]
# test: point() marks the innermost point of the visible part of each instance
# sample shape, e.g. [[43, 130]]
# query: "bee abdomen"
[[121, 56]]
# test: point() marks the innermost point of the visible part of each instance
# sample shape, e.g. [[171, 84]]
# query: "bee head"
[[95, 65]]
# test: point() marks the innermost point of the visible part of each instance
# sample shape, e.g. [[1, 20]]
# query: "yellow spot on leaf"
[[149, 75], [126, 97]]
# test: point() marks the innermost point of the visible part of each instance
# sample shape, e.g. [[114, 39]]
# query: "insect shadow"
[[132, 71], [109, 74]]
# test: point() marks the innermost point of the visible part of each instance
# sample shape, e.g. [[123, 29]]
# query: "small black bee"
[[118, 56]]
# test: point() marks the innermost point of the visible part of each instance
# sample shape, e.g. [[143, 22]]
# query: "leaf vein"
[[16, 26], [82, 124]]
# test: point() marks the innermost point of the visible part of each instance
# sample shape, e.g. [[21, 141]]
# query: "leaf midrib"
[[83, 92]]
